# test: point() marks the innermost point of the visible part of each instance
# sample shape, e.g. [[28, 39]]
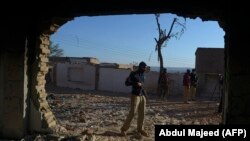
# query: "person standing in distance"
[[163, 83], [186, 85], [194, 80]]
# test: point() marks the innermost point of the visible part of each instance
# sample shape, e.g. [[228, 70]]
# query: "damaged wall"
[[24, 25], [13, 81]]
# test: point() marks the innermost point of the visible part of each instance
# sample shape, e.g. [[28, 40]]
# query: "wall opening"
[[110, 43]]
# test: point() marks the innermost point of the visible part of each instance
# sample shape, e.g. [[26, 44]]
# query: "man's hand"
[[139, 84]]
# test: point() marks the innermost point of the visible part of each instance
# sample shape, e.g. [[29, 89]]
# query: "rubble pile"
[[94, 115]]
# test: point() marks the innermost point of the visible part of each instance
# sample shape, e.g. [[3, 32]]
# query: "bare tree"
[[55, 50], [164, 37]]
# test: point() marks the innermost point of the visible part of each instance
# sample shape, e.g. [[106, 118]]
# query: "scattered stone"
[[99, 115]]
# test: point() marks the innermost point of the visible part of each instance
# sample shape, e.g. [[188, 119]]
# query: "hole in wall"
[[79, 104]]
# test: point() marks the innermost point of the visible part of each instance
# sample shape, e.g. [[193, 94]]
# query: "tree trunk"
[[160, 59], [159, 44]]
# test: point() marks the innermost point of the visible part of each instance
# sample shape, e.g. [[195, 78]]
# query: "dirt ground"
[[98, 116]]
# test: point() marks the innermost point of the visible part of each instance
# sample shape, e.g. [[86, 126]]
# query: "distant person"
[[163, 84], [138, 100], [186, 85], [194, 80]]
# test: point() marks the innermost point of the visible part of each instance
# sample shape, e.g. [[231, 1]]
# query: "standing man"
[[186, 85], [194, 80], [164, 84], [138, 100]]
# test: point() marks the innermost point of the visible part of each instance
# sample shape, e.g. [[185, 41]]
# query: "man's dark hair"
[[142, 64], [164, 70]]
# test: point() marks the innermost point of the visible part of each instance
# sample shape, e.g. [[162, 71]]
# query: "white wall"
[[75, 76], [111, 79], [208, 85], [151, 80], [176, 84], [176, 87]]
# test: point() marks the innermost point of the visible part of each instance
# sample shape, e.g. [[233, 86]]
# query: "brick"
[[43, 95], [49, 119], [41, 82], [43, 104], [40, 78], [52, 124], [47, 114], [54, 27], [45, 50], [44, 59], [45, 40], [44, 69]]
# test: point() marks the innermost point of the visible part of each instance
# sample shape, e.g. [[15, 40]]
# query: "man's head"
[[164, 70], [142, 66], [188, 70]]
